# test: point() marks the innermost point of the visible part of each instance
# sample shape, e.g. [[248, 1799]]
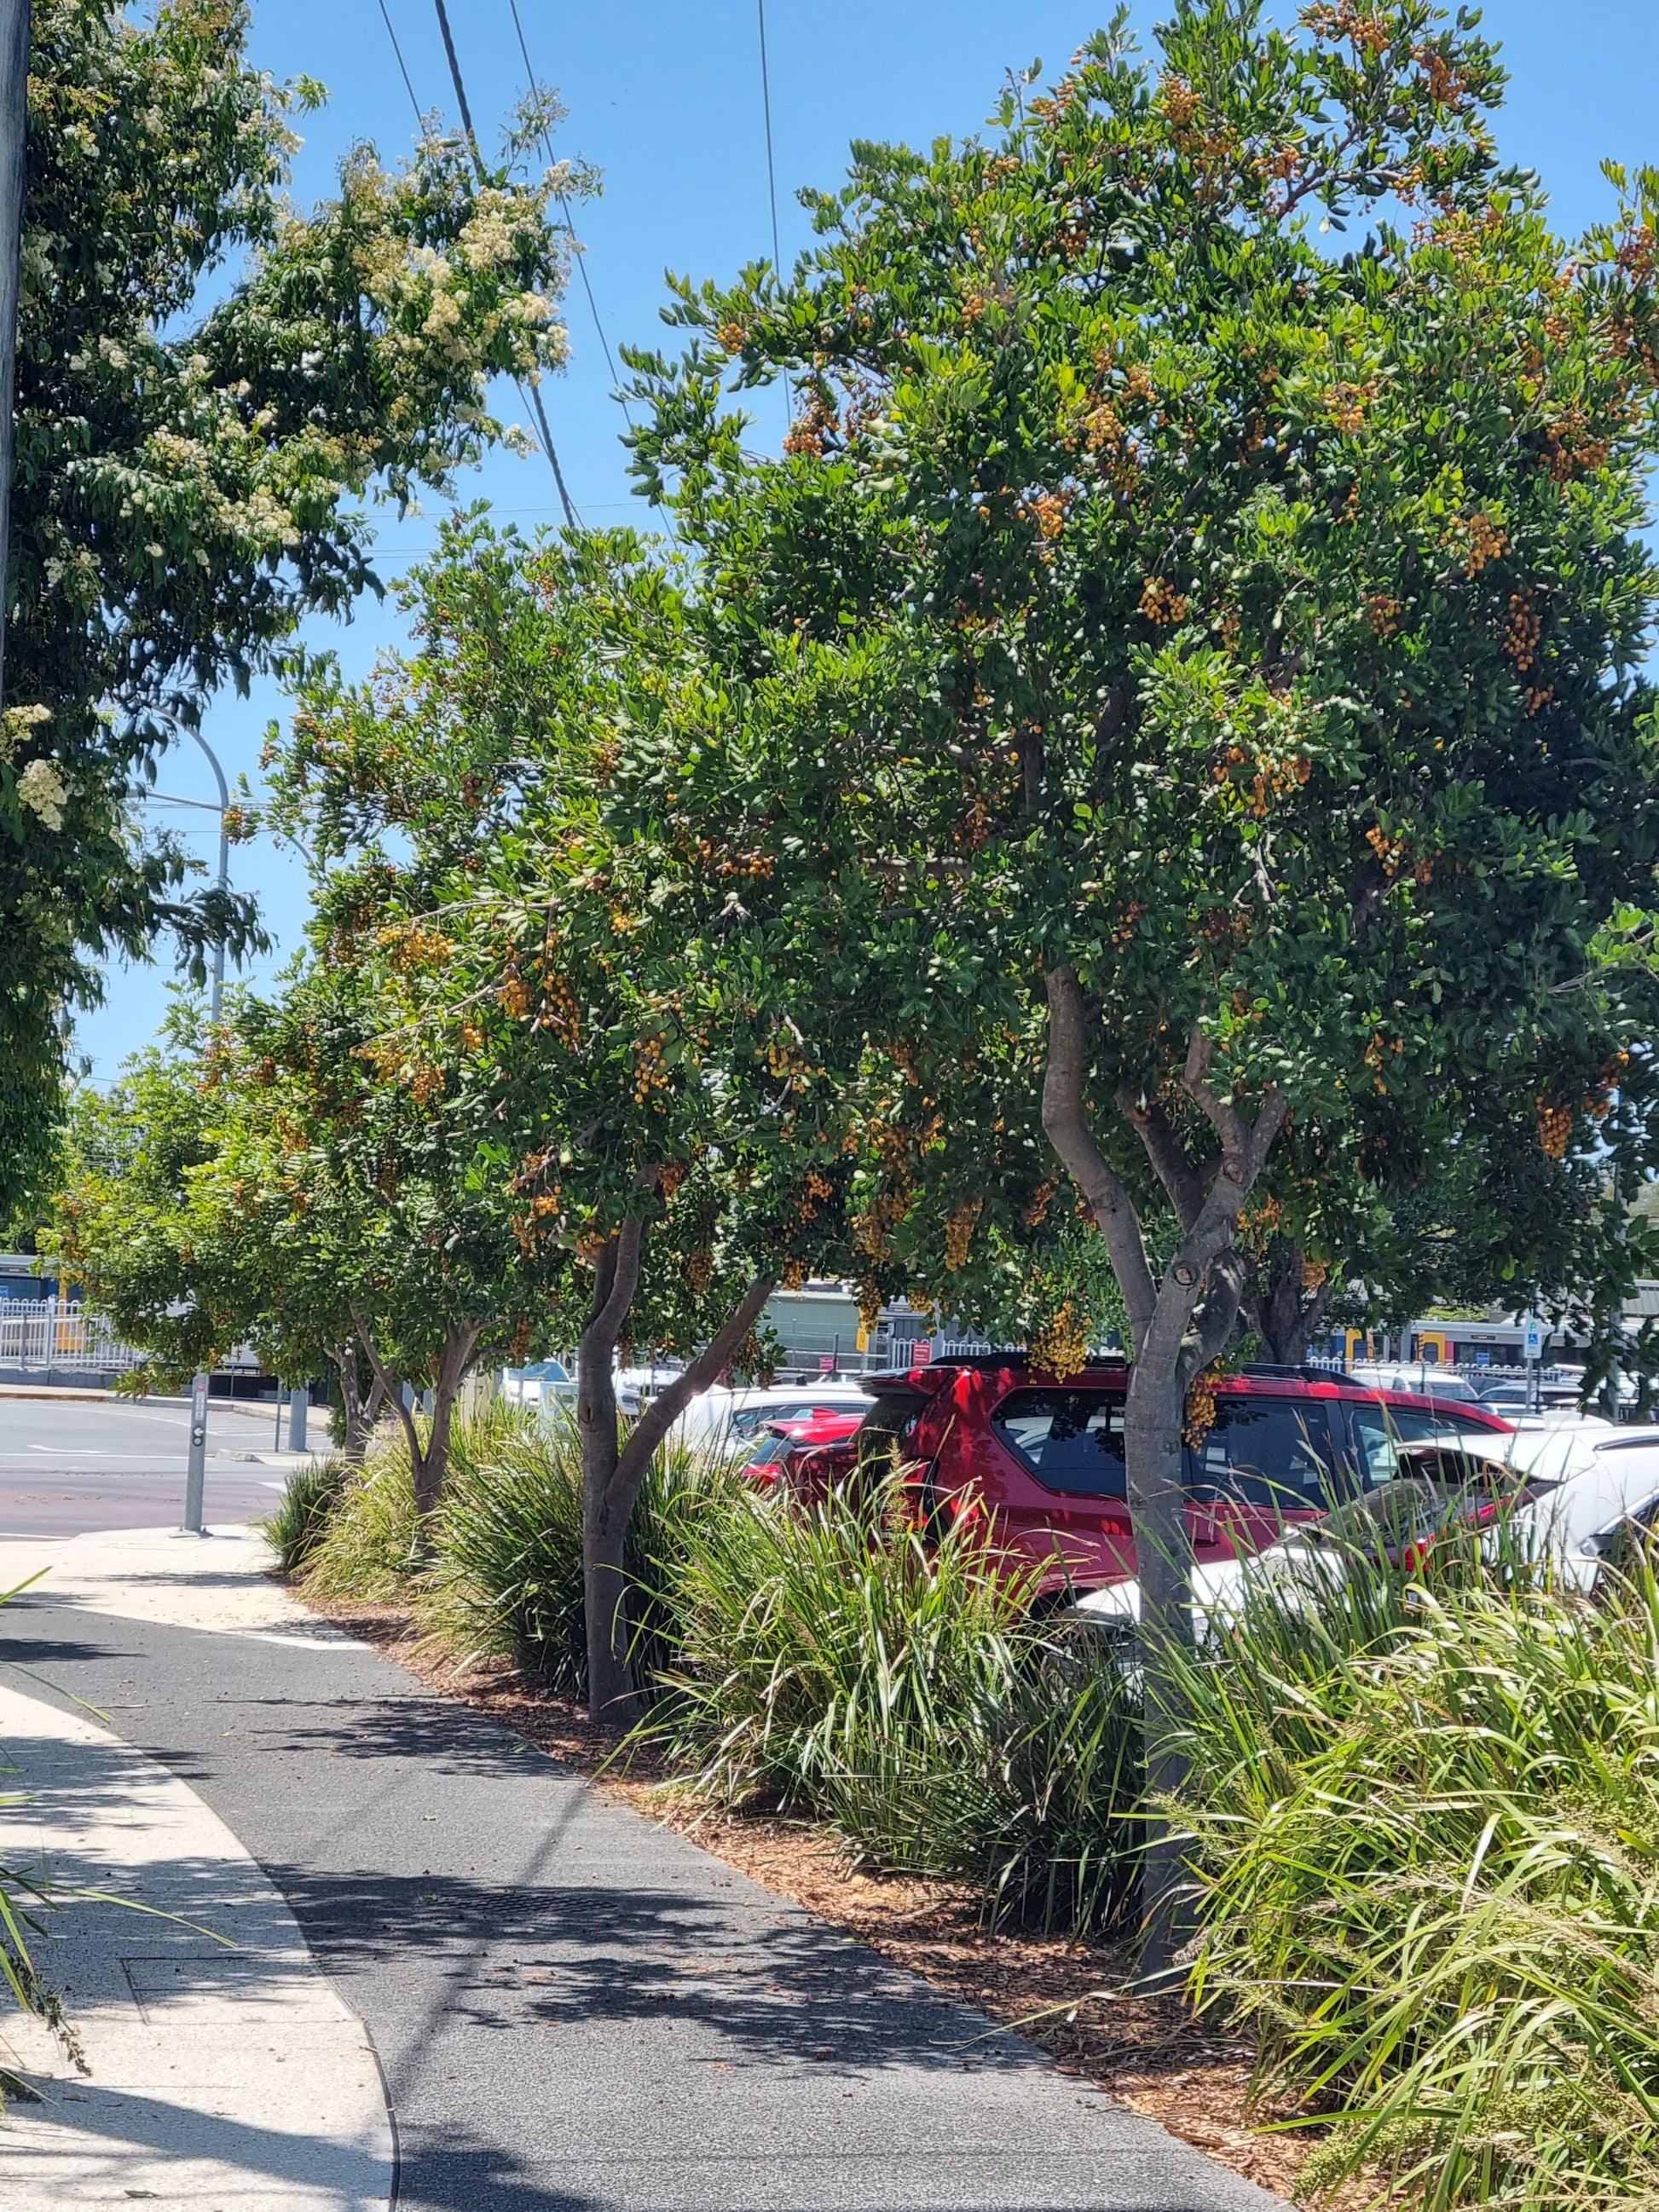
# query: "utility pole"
[[14, 129], [196, 1464]]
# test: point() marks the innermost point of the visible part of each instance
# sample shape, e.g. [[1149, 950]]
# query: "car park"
[[1044, 1459]]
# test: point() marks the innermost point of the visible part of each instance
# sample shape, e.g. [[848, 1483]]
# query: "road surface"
[[69, 1464]]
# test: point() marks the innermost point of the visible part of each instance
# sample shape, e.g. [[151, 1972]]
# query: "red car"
[[801, 1456], [1044, 1459]]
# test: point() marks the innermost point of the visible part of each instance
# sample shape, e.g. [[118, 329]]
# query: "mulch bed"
[[1064, 1995]]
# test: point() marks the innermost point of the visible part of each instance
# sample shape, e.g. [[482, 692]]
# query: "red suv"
[[1045, 1459]]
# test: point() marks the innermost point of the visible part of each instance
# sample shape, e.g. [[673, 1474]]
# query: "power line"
[[419, 118], [569, 224], [771, 172], [531, 395], [772, 187]]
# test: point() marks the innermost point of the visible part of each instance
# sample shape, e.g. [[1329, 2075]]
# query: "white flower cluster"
[[44, 791]]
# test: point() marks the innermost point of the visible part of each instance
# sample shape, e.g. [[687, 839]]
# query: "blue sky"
[[665, 99]]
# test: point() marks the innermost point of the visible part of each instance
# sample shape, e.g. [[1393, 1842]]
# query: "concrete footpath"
[[573, 2009]]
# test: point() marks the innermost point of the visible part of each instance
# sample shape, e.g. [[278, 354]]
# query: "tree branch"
[[1182, 1181], [615, 1279], [393, 1395], [665, 1409], [1069, 1133]]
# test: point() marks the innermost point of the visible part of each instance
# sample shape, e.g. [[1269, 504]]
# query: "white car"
[[543, 1383], [1605, 1478], [1407, 1510]]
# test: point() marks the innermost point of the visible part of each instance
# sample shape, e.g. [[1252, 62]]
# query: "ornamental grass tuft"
[[1426, 1852], [829, 1662]]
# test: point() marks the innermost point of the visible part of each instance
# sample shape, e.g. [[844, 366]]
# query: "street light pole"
[[195, 1465], [224, 867]]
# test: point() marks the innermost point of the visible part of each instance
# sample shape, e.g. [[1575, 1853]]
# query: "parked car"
[[800, 1457], [1419, 1379], [719, 1416], [1606, 1488], [1045, 1460], [1437, 1486], [543, 1383]]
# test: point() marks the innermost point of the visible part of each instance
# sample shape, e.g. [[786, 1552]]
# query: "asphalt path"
[[575, 2010], [69, 1464]]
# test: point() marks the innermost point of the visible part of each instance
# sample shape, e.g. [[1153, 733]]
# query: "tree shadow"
[[757, 1978]]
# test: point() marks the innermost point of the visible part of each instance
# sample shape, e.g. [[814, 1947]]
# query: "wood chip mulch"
[[1067, 1997]]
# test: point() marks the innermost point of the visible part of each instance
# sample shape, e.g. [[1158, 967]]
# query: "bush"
[[298, 1526], [830, 1662], [507, 1577], [1425, 1847], [367, 1548]]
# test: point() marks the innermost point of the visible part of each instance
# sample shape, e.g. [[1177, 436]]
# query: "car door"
[[1265, 1462], [1062, 1500]]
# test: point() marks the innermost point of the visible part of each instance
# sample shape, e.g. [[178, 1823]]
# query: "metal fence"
[[42, 1336]]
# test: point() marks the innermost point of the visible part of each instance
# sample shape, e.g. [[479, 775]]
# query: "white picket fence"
[[44, 1335]]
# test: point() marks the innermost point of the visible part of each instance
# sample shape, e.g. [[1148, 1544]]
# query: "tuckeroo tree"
[[1242, 635], [197, 463], [662, 1141], [174, 1213]]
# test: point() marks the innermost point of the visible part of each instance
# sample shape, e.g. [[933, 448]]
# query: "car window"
[[1379, 1430], [1071, 1440], [887, 1428], [1264, 1451]]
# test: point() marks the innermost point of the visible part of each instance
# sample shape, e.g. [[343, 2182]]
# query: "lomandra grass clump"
[[506, 1576], [830, 1662], [1427, 1852], [498, 1571]]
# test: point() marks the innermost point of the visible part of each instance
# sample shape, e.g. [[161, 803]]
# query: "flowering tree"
[[1239, 640], [191, 479]]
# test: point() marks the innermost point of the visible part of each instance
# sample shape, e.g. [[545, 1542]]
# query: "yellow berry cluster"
[[1037, 1210], [1161, 603], [1487, 543], [1201, 1410], [959, 1233], [1061, 1347], [1554, 1129], [651, 1077]]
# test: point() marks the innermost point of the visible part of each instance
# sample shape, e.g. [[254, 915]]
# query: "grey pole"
[[196, 1466], [224, 858], [299, 1401], [13, 128]]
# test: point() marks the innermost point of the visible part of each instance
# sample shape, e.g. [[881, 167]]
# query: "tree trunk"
[[1179, 1324], [430, 1463], [612, 1473], [1281, 1313], [361, 1412]]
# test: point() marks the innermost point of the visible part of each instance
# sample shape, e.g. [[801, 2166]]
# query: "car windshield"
[[1379, 1430]]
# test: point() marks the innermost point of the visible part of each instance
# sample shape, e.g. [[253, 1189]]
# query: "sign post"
[[1531, 1351], [196, 1465]]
